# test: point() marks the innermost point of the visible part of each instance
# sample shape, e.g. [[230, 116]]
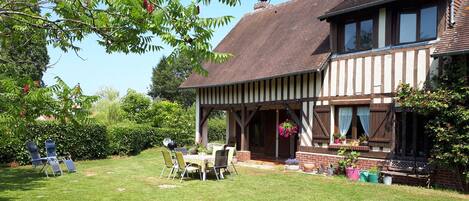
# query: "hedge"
[[131, 139], [82, 142], [216, 129]]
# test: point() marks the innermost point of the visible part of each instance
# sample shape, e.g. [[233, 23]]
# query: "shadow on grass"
[[19, 179]]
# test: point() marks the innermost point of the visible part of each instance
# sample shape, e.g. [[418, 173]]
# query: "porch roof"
[[276, 41]]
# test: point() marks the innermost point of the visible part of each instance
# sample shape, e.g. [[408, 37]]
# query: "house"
[[332, 67]]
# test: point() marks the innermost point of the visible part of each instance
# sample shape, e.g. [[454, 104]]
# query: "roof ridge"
[[272, 6]]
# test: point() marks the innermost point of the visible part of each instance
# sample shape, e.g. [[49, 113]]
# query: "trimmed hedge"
[[82, 142], [131, 139], [216, 129]]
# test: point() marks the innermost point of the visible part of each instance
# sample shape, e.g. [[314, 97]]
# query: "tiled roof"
[[352, 5], [271, 42], [455, 40]]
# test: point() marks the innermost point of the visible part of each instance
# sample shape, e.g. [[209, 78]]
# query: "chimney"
[[261, 4]]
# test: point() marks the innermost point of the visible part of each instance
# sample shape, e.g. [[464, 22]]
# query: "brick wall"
[[325, 159], [243, 155], [442, 178]]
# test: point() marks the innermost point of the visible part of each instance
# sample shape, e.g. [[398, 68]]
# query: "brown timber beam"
[[205, 117], [251, 116]]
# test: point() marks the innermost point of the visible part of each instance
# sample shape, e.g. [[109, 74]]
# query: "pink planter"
[[352, 173]]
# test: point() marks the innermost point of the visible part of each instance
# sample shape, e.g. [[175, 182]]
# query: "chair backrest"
[[221, 159], [231, 151], [215, 148], [180, 160], [167, 159], [183, 150], [50, 148], [34, 152]]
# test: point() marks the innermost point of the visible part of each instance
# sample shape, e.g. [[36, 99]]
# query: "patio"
[[137, 178]]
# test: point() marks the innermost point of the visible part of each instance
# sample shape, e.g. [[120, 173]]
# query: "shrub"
[[173, 121], [82, 142], [216, 129], [131, 139]]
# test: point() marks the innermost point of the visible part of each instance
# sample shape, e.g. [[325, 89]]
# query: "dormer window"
[[357, 35], [417, 25]]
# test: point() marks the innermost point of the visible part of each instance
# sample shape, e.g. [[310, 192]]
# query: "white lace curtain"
[[364, 114], [345, 119]]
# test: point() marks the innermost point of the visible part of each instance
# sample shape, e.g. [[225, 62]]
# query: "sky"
[[121, 71]]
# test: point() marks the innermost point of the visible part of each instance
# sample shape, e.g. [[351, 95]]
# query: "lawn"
[[137, 178]]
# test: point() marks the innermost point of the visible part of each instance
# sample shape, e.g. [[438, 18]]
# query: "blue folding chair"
[[36, 159], [52, 159]]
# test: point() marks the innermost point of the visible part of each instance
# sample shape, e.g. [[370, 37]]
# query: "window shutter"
[[381, 125], [321, 124]]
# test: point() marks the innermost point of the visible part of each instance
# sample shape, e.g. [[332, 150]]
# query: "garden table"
[[201, 160]]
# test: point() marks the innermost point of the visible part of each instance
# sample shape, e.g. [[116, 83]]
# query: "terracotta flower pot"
[[308, 167]]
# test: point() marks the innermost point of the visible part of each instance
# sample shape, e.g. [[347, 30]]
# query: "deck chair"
[[215, 148], [168, 163], [36, 159], [231, 151], [184, 168], [221, 162], [52, 159]]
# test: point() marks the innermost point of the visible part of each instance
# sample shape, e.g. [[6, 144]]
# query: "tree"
[[23, 53], [71, 104], [108, 109], [135, 106], [166, 79], [121, 25], [446, 105]]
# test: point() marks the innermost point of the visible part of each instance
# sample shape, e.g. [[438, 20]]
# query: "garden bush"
[[130, 138], [216, 129], [173, 121], [82, 142]]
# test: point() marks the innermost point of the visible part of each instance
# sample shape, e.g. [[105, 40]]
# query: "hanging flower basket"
[[287, 129]]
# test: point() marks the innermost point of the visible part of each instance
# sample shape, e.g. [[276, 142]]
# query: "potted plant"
[[349, 161], [343, 139], [308, 167], [287, 129], [337, 138], [363, 140], [364, 176], [373, 174], [292, 164], [201, 150], [354, 143]]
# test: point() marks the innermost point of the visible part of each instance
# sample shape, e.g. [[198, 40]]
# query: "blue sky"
[[122, 71]]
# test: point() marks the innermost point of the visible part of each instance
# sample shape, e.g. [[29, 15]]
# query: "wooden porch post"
[[276, 133], [244, 137]]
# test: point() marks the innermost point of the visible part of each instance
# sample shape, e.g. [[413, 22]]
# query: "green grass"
[[137, 178]]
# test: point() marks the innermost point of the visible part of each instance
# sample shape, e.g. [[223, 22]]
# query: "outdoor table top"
[[200, 160]]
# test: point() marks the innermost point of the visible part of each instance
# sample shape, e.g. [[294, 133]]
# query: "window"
[[366, 34], [350, 37], [352, 122], [358, 35], [418, 24]]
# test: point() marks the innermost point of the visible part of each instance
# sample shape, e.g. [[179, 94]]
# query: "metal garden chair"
[[36, 159], [231, 151], [168, 163], [52, 159], [221, 162], [184, 168]]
